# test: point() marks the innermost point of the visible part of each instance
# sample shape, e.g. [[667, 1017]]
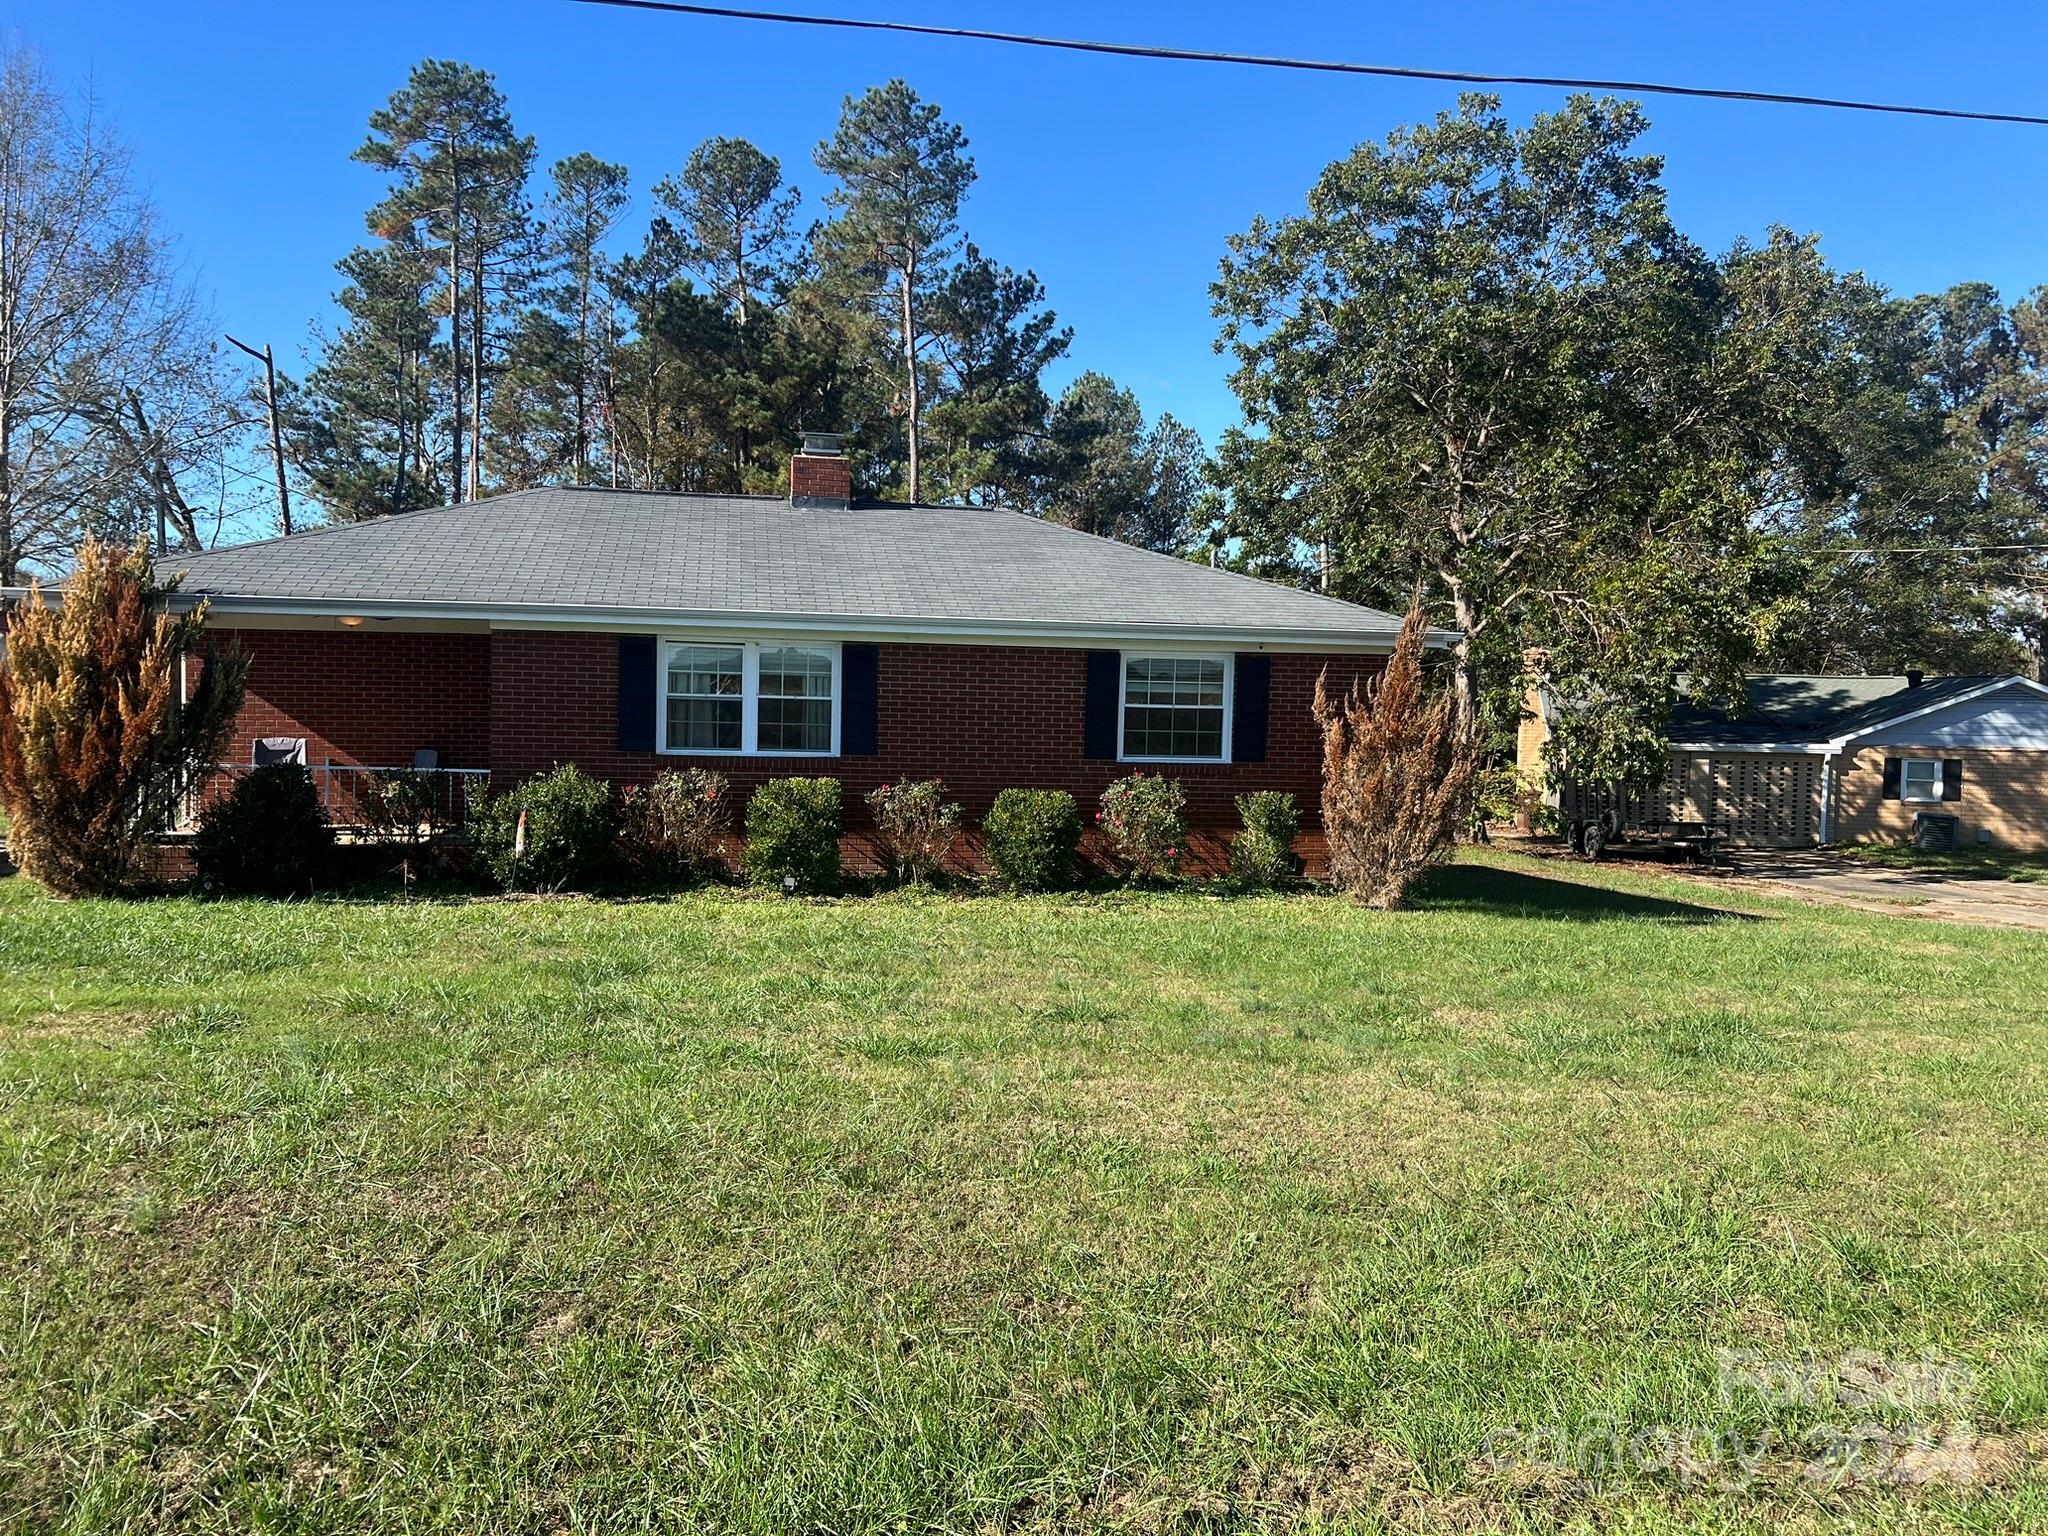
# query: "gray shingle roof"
[[600, 550], [1803, 707]]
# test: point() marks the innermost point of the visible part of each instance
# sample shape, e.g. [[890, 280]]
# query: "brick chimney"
[[819, 475]]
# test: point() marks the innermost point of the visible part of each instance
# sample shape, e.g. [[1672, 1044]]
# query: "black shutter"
[[1249, 703], [859, 669], [1098, 714], [636, 693], [1891, 778], [1951, 778]]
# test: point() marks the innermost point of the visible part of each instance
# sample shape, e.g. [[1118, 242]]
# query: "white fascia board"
[[1997, 686], [1733, 748], [837, 625]]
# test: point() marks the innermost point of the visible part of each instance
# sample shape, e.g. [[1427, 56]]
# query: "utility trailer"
[[1599, 831]]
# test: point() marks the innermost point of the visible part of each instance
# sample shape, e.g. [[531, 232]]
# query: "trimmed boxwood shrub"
[[267, 836], [568, 843], [1262, 855], [793, 830], [1031, 836]]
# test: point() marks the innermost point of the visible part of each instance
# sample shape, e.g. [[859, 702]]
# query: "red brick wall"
[[982, 717], [367, 696]]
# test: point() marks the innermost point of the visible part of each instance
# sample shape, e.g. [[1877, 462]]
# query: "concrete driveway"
[[1822, 876]]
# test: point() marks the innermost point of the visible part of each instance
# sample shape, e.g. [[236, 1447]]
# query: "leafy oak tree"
[[1486, 361]]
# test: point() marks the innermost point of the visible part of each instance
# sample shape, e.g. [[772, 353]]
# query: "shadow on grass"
[[1515, 893]]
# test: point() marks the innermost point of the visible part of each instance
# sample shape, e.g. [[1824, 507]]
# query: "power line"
[[1320, 66]]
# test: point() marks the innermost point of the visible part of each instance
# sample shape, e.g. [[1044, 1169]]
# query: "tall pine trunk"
[[455, 335], [910, 369], [476, 377]]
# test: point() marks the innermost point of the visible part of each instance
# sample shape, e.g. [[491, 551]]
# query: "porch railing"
[[361, 797]]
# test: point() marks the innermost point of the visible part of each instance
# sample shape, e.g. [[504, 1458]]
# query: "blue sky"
[[1117, 181]]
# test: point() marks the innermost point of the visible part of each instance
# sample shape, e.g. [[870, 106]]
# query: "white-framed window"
[[1920, 778], [766, 698], [1174, 709]]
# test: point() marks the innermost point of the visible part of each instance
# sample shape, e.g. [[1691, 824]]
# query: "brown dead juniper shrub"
[[97, 752], [1397, 775]]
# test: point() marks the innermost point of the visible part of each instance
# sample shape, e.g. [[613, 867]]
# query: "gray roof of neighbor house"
[[1806, 707], [593, 552]]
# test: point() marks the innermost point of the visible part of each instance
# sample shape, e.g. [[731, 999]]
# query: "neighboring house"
[[631, 632], [1820, 759]]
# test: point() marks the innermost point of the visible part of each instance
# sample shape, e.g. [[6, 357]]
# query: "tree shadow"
[[1516, 893]]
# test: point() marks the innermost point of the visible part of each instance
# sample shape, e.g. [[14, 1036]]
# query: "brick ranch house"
[[1816, 759], [634, 632]]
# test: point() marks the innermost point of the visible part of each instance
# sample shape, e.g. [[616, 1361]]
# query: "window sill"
[[736, 752]]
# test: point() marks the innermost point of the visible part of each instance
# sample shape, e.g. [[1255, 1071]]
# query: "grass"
[[1122, 1213], [1960, 863]]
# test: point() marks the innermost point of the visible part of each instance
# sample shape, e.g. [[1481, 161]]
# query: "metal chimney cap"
[[823, 444]]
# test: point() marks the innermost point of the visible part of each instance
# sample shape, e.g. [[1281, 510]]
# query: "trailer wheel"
[[1575, 836], [1595, 841]]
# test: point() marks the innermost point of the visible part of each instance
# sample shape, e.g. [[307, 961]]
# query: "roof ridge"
[[349, 524], [1216, 570]]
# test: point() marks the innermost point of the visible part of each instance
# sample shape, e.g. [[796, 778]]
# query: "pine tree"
[[902, 171], [733, 223], [447, 137], [586, 199], [366, 426], [994, 339]]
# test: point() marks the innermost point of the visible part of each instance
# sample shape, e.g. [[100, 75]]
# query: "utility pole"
[[284, 496]]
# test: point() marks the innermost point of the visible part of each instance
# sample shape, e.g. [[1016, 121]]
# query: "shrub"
[[267, 836], [915, 825], [403, 805], [1397, 776], [568, 835], [675, 828], [1032, 835], [793, 833], [96, 750], [1143, 816], [1262, 855]]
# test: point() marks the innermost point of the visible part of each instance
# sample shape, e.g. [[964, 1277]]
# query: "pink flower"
[[1172, 853]]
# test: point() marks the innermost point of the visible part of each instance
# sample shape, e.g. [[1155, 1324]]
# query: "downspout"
[[1827, 795]]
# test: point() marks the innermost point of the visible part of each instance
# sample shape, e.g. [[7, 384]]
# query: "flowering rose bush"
[[915, 825], [1144, 818], [675, 828]]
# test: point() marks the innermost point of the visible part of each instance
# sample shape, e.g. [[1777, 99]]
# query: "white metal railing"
[[401, 802]]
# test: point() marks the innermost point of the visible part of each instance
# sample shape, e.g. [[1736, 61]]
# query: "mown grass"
[[1147, 1212], [1961, 863]]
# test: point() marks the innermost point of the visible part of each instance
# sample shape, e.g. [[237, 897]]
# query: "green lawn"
[[1963, 863], [1117, 1213]]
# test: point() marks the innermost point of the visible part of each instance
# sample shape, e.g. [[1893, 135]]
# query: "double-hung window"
[[774, 698], [1175, 709], [1920, 778]]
